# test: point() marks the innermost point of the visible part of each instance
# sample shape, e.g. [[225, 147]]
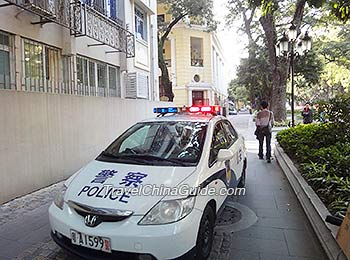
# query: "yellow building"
[[195, 63]]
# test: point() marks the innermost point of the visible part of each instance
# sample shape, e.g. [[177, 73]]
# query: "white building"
[[73, 75]]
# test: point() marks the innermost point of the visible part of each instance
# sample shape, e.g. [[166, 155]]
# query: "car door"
[[235, 146], [218, 169]]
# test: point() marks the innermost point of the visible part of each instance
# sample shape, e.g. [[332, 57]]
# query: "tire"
[[241, 183], [205, 235]]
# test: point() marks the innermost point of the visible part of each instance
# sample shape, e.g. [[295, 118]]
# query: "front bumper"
[[128, 240]]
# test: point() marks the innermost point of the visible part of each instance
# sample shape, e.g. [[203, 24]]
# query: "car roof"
[[184, 117]]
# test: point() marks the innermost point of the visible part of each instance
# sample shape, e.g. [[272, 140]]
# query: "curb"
[[313, 207]]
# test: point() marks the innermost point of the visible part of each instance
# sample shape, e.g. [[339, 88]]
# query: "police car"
[[99, 213]]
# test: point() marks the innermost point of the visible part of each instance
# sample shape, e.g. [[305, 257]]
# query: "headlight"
[[168, 211], [59, 199]]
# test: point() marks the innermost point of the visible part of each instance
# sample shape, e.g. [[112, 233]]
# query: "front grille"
[[104, 214], [103, 218]]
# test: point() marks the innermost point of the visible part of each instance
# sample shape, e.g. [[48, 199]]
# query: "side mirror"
[[224, 155]]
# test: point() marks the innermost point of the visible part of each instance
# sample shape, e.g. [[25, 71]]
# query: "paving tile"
[[261, 233], [259, 245], [40, 234], [300, 243], [280, 213], [10, 249], [258, 203], [267, 256], [283, 223], [243, 255]]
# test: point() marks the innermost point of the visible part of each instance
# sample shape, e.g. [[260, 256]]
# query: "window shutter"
[[136, 85], [131, 85], [142, 86]]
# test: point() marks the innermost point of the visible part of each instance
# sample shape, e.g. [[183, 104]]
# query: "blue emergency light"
[[165, 110]]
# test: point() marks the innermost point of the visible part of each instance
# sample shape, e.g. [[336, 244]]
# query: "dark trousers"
[[268, 146]]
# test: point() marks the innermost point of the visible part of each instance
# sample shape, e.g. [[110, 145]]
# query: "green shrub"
[[298, 141], [337, 111], [323, 153]]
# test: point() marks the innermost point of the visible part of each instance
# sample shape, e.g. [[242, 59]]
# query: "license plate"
[[93, 242]]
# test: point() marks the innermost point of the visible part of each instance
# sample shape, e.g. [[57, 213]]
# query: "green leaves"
[[323, 153], [337, 111], [200, 11], [341, 9]]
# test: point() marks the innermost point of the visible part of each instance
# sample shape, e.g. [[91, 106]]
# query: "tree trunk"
[[278, 100], [165, 83]]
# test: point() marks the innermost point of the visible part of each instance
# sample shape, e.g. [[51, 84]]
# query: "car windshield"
[[158, 143]]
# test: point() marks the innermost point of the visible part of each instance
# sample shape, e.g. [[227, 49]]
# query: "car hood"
[[102, 185]]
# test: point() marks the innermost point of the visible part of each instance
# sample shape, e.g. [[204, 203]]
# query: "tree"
[[240, 10], [201, 10], [278, 14], [252, 76]]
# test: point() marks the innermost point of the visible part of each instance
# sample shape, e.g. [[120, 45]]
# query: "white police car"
[[98, 214]]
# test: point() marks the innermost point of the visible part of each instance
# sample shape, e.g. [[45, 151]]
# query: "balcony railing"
[[92, 23], [82, 20], [58, 11], [197, 62]]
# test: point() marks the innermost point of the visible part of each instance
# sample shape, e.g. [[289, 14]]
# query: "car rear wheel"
[[205, 234]]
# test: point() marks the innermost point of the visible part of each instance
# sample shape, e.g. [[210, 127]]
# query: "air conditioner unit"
[[136, 85]]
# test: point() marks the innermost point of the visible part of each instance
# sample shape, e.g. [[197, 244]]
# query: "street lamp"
[[289, 47]]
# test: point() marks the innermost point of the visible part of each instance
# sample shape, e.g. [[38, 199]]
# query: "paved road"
[[280, 231]]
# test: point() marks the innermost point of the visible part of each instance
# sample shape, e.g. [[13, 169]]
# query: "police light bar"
[[165, 110], [204, 109]]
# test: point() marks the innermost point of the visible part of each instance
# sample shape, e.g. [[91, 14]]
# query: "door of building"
[[198, 98]]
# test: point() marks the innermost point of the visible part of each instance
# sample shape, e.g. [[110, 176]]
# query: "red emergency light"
[[204, 109]]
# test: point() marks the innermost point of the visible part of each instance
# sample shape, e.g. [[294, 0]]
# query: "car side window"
[[219, 141], [231, 134]]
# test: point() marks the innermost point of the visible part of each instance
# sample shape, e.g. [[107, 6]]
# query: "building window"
[[196, 52], [41, 67], [110, 8], [6, 61], [67, 75], [92, 78], [196, 78], [98, 5], [140, 24], [100, 78], [114, 82], [82, 76], [52, 69]]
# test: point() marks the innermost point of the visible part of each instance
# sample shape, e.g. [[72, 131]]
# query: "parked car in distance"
[[232, 111]]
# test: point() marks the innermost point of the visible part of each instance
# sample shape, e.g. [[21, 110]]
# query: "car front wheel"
[[205, 234]]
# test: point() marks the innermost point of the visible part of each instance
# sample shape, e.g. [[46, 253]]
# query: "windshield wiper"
[[123, 157], [143, 158], [107, 154], [152, 157]]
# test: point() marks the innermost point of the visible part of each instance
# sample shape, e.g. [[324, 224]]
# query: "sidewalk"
[[24, 226], [282, 231]]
